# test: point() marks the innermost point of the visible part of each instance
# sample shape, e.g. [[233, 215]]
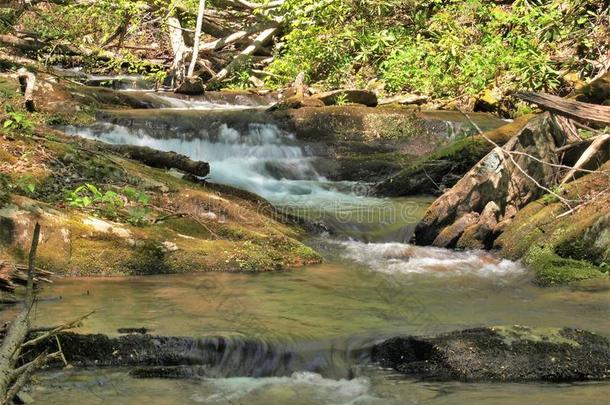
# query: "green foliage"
[[17, 121], [131, 205], [551, 198], [443, 48], [26, 185]]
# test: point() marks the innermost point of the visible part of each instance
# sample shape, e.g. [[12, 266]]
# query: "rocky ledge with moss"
[[103, 214]]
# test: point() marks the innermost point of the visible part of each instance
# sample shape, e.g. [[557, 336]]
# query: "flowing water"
[[372, 285]]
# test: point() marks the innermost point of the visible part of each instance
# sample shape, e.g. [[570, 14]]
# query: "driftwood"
[[236, 36], [257, 44], [570, 108], [13, 275]]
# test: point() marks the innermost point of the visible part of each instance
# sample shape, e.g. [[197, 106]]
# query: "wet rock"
[[496, 178], [172, 356], [500, 354], [191, 86], [296, 102], [480, 235], [440, 170], [335, 97], [449, 236], [175, 372]]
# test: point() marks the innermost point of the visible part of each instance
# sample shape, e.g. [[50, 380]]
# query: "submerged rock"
[[500, 354]]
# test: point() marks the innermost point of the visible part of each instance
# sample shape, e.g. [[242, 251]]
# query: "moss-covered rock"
[[435, 172], [566, 248], [500, 354], [4, 191]]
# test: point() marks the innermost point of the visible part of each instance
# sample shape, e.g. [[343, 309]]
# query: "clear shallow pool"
[[371, 388], [371, 286]]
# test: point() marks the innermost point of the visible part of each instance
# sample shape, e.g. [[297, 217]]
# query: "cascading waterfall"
[[265, 160], [270, 162]]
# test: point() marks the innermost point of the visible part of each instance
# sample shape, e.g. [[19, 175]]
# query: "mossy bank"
[[102, 214]]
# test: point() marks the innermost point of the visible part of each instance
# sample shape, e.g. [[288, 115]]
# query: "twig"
[[56, 330], [60, 351], [512, 159]]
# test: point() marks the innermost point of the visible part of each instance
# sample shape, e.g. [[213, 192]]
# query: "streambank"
[[103, 214]]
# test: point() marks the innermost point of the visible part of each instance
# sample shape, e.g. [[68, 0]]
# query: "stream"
[[371, 285]]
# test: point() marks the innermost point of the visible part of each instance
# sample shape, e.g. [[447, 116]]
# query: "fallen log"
[[258, 43], [237, 36], [570, 108], [159, 159]]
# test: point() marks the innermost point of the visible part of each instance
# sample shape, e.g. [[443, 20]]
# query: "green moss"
[[552, 269], [517, 333]]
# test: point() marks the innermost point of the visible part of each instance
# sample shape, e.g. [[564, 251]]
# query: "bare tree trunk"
[[179, 49], [28, 82], [197, 38], [16, 334]]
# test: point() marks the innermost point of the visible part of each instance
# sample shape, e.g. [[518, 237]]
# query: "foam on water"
[[194, 104], [300, 386], [410, 259]]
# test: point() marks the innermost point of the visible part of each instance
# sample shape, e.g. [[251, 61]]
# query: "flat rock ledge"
[[495, 354], [500, 354]]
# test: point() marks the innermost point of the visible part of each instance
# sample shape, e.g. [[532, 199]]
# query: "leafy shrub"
[[443, 48], [131, 205]]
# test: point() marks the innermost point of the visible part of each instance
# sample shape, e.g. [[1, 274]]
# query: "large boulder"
[[500, 354], [438, 171], [511, 183]]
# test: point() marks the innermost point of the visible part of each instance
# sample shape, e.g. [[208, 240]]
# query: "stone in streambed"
[[500, 354], [169, 372]]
